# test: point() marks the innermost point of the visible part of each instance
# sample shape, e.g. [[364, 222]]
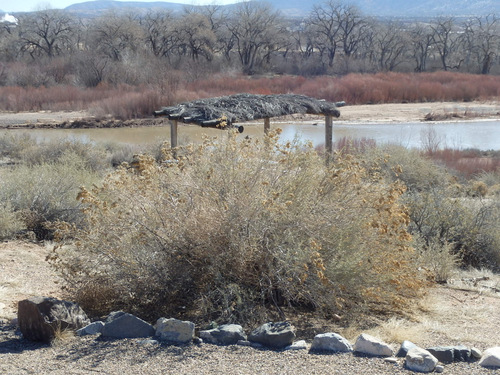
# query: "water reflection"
[[484, 135]]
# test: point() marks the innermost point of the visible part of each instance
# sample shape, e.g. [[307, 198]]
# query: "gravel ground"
[[451, 316], [89, 355]]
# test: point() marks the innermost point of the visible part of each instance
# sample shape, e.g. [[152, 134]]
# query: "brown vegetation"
[[238, 231], [128, 102]]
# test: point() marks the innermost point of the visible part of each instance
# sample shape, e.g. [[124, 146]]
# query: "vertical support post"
[[267, 125], [328, 137], [173, 137], [173, 134]]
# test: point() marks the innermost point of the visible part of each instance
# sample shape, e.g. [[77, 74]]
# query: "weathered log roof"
[[245, 107]]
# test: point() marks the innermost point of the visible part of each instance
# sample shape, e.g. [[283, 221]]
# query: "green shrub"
[[241, 231], [417, 172], [45, 193], [439, 259], [10, 224], [470, 224]]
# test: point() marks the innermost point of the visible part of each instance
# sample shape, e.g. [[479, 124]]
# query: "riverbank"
[[375, 113]]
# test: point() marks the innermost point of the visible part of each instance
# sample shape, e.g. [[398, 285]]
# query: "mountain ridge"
[[295, 8]]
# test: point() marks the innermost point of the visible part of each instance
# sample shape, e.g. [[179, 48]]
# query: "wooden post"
[[173, 133], [328, 137], [267, 125]]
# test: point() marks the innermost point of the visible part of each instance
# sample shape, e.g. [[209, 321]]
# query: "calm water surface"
[[484, 135]]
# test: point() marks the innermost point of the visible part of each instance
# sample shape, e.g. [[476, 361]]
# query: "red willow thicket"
[[126, 101]]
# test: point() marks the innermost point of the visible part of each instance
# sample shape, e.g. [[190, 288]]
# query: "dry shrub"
[[10, 223], [241, 231], [442, 212], [45, 193], [438, 259]]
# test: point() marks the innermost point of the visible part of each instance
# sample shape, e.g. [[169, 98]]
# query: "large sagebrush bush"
[[241, 231]]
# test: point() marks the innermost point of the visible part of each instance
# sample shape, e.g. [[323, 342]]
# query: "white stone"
[[491, 358], [439, 369], [244, 343], [175, 330], [476, 353], [227, 334], [391, 360], [331, 342], [297, 345], [91, 329], [370, 345], [418, 359]]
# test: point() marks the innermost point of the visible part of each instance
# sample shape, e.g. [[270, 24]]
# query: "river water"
[[483, 135]]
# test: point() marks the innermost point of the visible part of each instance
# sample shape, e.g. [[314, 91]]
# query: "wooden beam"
[[267, 125], [328, 137], [173, 134]]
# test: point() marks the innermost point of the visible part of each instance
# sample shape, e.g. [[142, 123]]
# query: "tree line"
[[54, 46]]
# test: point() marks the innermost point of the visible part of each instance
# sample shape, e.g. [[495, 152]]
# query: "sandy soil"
[[410, 112], [465, 312]]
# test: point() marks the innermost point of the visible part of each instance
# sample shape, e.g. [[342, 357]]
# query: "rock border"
[[278, 336]]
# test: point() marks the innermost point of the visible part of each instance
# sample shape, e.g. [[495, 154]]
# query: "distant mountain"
[[401, 8], [90, 8], [299, 8]]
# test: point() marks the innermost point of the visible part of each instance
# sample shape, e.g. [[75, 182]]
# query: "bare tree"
[[325, 27], [482, 38], [115, 35], [8, 41], [446, 40], [195, 35], [159, 33], [218, 18], [420, 43], [257, 30], [391, 45], [46, 32], [353, 28]]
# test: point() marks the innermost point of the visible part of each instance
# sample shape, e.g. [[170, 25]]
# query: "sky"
[[31, 5]]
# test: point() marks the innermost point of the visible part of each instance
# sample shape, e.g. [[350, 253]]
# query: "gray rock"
[[330, 342], [174, 330], [445, 354], [91, 329], [462, 353], [476, 353], [439, 369], [244, 343], [405, 346], [150, 342], [40, 318], [491, 358], [297, 345], [274, 335], [420, 360], [227, 334], [372, 346], [122, 325], [393, 360], [254, 345]]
